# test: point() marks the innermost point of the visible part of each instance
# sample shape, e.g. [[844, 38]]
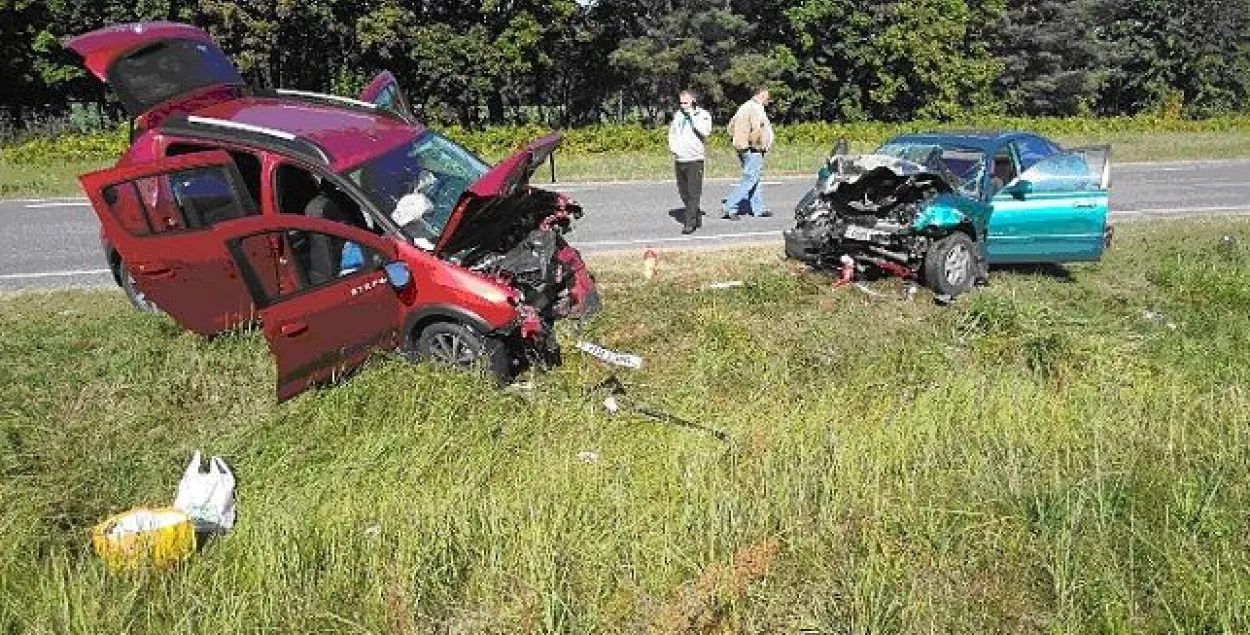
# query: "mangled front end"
[[881, 212], [535, 259]]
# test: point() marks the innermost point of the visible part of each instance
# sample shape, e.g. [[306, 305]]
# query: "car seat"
[[1004, 170], [326, 251], [296, 188]]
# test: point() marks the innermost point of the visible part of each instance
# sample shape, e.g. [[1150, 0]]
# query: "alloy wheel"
[[956, 265]]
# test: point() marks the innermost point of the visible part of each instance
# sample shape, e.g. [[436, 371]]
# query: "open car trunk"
[[158, 68]]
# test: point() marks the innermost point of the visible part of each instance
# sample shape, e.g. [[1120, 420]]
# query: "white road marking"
[[41, 200], [66, 204], [1156, 211], [53, 274]]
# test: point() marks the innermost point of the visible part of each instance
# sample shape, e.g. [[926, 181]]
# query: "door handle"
[[291, 329], [155, 271], [1085, 205]]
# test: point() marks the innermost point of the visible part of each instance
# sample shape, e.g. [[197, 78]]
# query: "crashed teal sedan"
[[942, 207]]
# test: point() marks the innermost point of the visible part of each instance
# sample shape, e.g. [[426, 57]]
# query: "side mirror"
[[1019, 188], [398, 274]]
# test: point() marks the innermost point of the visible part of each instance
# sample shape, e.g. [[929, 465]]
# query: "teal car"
[[942, 207]]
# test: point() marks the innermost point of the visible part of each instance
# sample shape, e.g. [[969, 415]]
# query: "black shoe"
[[687, 230], [729, 217], [764, 214]]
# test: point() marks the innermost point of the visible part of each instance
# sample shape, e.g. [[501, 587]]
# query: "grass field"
[[1064, 451], [59, 178]]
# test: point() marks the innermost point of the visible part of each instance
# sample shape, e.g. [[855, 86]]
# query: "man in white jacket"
[[686, 136]]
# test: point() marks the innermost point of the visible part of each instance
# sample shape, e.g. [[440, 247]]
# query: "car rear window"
[[166, 69]]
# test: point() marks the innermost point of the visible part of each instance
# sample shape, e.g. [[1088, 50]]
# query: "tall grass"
[[1062, 451]]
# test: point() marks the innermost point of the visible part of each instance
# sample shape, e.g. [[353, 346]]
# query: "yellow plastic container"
[[160, 537]]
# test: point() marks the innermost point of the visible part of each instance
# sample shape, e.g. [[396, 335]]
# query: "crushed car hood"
[[479, 206], [879, 184], [853, 168]]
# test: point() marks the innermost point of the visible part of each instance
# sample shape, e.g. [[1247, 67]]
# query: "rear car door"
[[342, 308], [1055, 211], [158, 216]]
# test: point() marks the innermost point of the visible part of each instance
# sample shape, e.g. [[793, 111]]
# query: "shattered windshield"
[[966, 165], [419, 183]]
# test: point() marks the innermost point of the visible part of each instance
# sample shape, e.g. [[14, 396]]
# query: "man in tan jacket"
[[752, 136]]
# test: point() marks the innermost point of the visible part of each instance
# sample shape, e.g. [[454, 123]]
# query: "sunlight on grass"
[[1052, 453]]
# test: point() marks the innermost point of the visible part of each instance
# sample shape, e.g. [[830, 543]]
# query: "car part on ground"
[[617, 399], [610, 357]]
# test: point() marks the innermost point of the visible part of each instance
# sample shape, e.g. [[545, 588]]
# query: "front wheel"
[[950, 264], [462, 347]]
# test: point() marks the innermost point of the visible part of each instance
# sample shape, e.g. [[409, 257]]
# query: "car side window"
[[187, 200], [299, 191], [1063, 172], [1032, 150], [315, 259], [247, 163], [1004, 169]]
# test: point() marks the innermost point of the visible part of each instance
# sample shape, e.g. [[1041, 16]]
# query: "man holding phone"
[[686, 137]]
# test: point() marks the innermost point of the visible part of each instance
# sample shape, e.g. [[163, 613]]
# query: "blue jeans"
[[748, 188]]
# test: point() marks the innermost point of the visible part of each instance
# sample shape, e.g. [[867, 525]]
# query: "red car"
[[343, 225]]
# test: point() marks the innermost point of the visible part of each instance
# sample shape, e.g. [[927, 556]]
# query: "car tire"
[[137, 298], [950, 265], [462, 347]]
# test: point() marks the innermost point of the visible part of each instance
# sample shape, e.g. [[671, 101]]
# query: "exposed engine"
[[864, 207], [530, 254]]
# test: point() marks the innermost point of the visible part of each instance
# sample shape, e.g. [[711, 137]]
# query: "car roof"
[[341, 133], [985, 140]]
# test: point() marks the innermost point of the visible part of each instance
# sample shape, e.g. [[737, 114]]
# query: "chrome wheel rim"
[[139, 298], [452, 350], [956, 265]]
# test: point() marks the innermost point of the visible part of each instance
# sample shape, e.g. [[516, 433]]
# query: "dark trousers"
[[690, 186]]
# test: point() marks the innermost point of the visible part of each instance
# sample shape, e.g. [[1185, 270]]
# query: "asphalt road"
[[51, 243]]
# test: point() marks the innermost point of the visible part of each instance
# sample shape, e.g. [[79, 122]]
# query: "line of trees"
[[576, 62]]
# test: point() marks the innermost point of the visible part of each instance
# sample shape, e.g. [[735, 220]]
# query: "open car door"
[[343, 307], [383, 91], [1056, 211], [159, 216]]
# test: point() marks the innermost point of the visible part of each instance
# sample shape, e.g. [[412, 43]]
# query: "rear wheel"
[[462, 347], [950, 265], [137, 297]]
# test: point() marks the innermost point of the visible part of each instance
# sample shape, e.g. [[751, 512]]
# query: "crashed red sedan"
[[342, 225]]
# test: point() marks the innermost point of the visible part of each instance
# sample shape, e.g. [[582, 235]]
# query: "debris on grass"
[[140, 537], [207, 497], [588, 456], [616, 393], [608, 356], [727, 284]]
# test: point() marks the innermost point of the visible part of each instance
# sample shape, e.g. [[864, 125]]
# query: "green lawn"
[[1066, 450], [60, 179]]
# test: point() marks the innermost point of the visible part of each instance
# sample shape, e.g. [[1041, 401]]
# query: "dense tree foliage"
[[574, 62]]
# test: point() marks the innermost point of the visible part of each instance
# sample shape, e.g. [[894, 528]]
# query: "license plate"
[[855, 232]]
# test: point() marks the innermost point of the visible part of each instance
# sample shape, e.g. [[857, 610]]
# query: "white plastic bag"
[[207, 497]]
